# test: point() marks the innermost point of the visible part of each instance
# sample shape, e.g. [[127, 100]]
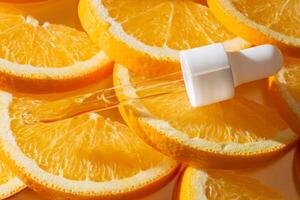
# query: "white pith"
[[199, 188], [79, 68], [11, 187]]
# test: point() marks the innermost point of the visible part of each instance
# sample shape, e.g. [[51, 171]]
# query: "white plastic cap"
[[210, 73]]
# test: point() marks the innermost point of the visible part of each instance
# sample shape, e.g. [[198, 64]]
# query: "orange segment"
[[230, 134], [52, 46], [285, 88], [87, 156], [44, 57], [145, 36], [259, 22], [9, 184], [213, 185]]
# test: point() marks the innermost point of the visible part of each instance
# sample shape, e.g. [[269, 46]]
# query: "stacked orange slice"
[[145, 36], [86, 156], [260, 22], [221, 135], [213, 185], [45, 57]]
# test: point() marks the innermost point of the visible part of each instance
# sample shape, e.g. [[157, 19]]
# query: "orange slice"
[[45, 57], [230, 134], [145, 36], [214, 185], [9, 184], [87, 156], [285, 91], [260, 22]]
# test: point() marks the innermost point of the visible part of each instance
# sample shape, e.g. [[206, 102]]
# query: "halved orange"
[[9, 183], [260, 22], [214, 185], [145, 36], [285, 91], [46, 57], [87, 156], [231, 134]]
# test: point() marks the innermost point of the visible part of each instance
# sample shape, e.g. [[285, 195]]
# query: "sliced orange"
[[9, 184], [230, 134], [87, 156], [215, 185], [285, 91], [259, 22], [145, 36], [45, 57]]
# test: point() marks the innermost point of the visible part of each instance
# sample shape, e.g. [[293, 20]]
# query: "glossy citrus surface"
[[234, 133], [260, 22], [42, 57], [215, 185], [85, 156], [145, 36]]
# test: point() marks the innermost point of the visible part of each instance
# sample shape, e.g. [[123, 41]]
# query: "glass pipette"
[[104, 99]]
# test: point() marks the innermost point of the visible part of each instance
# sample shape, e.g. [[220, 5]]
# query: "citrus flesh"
[[9, 184], [87, 156], [46, 57], [260, 22], [230, 134], [145, 36], [214, 185], [285, 88]]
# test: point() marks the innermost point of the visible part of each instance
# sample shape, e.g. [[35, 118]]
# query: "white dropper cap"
[[210, 73]]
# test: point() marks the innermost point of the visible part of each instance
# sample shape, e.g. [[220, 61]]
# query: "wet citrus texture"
[[230, 134], [145, 36], [260, 22], [215, 185], [45, 57], [85, 156]]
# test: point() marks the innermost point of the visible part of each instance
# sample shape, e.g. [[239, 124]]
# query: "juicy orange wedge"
[[45, 57], [86, 156], [260, 22], [230, 134], [145, 36], [212, 185]]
